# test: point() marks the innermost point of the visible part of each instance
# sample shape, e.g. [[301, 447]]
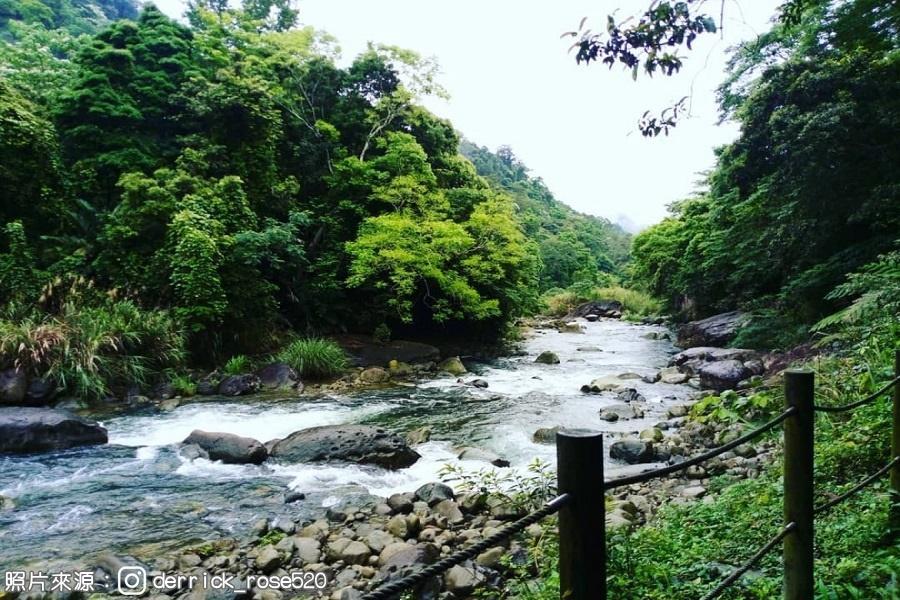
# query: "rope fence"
[[582, 533]]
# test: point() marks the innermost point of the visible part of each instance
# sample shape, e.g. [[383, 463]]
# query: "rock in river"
[[632, 451], [723, 375], [238, 385], [547, 358], [228, 448], [452, 365], [27, 429], [279, 376], [716, 330], [354, 443]]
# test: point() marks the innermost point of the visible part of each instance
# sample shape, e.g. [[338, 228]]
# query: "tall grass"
[[635, 303], [314, 358], [237, 365], [87, 349]]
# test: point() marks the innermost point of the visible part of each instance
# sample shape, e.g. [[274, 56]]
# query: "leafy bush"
[[237, 365], [183, 385], [88, 348], [527, 491], [314, 358]]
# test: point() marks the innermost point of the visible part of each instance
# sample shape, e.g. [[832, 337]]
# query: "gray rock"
[[716, 330], [478, 454], [450, 511], [29, 429], [239, 385], [355, 443], [651, 435], [374, 375], [291, 497], [193, 452], [722, 375], [547, 358], [401, 503], [611, 309], [307, 549], [632, 451], [607, 383], [355, 553], [609, 415], [461, 580], [479, 383], [13, 386], [435, 492], [398, 556], [592, 318], [630, 395], [41, 390], [206, 387], [452, 365], [418, 436], [545, 435], [268, 559], [279, 376], [228, 447]]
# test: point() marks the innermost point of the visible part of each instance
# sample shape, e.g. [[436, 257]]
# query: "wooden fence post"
[[799, 440], [582, 522], [894, 496]]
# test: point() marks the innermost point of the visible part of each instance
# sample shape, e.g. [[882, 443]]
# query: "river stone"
[[418, 436], [479, 383], [307, 549], [13, 386], [374, 375], [228, 447], [401, 555], [355, 443], [206, 387], [478, 454], [545, 435], [356, 553], [378, 539], [30, 429], [607, 383], [723, 375], [268, 559], [629, 395], [592, 318], [716, 330], [651, 435], [609, 415], [239, 385], [401, 503], [279, 376], [632, 451], [435, 492], [398, 527], [449, 510], [490, 557], [603, 308], [547, 358], [460, 580], [40, 390], [452, 365]]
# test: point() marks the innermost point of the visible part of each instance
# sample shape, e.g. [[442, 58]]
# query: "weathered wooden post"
[[894, 496], [799, 440], [582, 522]]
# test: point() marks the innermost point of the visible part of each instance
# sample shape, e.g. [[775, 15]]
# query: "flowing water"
[[138, 496]]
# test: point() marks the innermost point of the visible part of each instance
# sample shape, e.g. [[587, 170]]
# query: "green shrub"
[[635, 303], [237, 365], [314, 358], [88, 348], [183, 385]]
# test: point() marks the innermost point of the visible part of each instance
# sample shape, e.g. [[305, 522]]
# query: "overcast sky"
[[512, 82]]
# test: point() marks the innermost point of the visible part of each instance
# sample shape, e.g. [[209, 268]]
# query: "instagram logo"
[[132, 581]]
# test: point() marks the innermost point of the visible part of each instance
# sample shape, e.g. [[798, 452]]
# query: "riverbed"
[[139, 496]]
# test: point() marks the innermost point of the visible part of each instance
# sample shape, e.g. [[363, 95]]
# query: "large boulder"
[[607, 383], [41, 390], [601, 308], [717, 330], [723, 375], [547, 358], [366, 352], [228, 447], [29, 429], [632, 451], [239, 385], [279, 376], [13, 385], [452, 365], [355, 443]]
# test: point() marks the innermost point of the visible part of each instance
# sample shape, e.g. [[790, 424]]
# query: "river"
[[138, 496]]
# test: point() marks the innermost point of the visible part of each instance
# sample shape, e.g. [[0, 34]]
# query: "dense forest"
[[807, 194], [226, 179]]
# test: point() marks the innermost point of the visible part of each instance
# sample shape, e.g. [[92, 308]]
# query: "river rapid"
[[138, 496]]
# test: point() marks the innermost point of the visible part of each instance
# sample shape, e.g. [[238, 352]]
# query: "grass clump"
[[183, 385], [87, 348], [237, 365], [314, 358], [635, 304]]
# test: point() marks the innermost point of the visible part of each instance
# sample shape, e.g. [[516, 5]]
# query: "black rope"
[[856, 488], [858, 403], [391, 589], [648, 475], [738, 573]]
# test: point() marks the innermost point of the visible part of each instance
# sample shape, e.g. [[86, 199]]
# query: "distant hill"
[[573, 246], [74, 16]]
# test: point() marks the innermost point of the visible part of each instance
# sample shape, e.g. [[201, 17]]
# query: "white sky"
[[512, 82]]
